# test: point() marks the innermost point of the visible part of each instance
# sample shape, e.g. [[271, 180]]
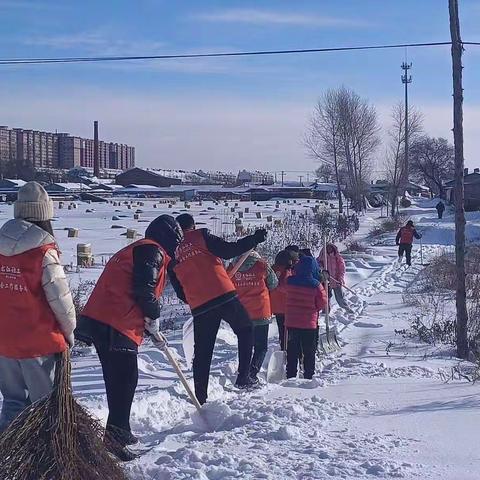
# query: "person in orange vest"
[[253, 281], [404, 240], [212, 297], [125, 304], [37, 314], [283, 267]]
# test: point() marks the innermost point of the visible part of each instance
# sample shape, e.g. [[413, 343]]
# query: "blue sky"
[[226, 113]]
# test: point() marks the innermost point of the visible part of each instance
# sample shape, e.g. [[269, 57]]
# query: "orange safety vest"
[[406, 235], [28, 326], [202, 274], [253, 291], [112, 301], [278, 296]]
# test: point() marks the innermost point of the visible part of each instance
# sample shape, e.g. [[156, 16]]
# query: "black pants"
[[260, 347], [407, 249], [205, 328], [301, 340], [120, 373], [440, 213], [281, 330]]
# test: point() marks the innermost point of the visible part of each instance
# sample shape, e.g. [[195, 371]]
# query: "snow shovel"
[[173, 362], [328, 340], [355, 294], [276, 370], [188, 339]]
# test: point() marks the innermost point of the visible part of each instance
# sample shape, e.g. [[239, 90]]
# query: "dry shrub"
[[356, 246], [387, 225], [432, 294]]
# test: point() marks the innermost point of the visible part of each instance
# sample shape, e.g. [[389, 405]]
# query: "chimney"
[[476, 170], [465, 171], [96, 159]]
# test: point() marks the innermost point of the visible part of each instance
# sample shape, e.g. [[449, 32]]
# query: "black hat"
[[166, 231]]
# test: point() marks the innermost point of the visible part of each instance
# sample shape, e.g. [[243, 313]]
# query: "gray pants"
[[338, 291], [23, 382]]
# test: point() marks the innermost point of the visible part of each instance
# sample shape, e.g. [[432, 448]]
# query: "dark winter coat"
[[147, 264], [440, 207]]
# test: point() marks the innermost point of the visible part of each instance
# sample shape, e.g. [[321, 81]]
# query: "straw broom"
[[57, 439]]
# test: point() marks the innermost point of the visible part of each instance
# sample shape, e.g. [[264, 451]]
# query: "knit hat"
[[33, 203]]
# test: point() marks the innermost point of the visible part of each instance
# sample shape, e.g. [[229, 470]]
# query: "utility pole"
[[283, 174], [300, 177], [406, 79], [461, 295]]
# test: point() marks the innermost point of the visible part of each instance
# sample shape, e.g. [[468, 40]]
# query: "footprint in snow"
[[368, 325]]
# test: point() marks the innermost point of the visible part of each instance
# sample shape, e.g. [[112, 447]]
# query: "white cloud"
[[97, 42], [268, 17]]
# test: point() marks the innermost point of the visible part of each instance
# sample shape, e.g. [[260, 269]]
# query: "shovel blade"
[[329, 342], [276, 367]]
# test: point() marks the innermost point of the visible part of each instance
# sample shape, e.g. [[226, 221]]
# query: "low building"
[[141, 176], [67, 188], [471, 190], [257, 177]]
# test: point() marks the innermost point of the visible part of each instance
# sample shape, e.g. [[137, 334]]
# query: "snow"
[[377, 408]]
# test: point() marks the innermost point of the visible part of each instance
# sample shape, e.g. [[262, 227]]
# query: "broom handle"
[[327, 308], [342, 285], [180, 374], [239, 263]]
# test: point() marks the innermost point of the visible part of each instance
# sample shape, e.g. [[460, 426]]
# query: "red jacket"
[[28, 326], [253, 291], [406, 235], [202, 274], [112, 301], [303, 306], [278, 296]]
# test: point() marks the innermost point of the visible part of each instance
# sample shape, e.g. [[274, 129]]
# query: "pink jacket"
[[335, 266], [303, 305]]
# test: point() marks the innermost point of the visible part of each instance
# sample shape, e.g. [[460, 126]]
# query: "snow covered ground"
[[378, 408]]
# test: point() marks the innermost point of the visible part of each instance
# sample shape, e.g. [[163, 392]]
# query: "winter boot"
[[122, 436], [120, 451]]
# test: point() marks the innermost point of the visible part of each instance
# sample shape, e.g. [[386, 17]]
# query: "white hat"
[[33, 203]]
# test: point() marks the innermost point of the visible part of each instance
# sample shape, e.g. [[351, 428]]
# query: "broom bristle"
[[57, 439]]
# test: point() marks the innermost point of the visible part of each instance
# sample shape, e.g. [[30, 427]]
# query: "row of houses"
[[167, 178]]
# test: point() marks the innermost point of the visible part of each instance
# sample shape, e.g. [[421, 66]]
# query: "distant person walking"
[[440, 209], [404, 241], [253, 282], [212, 297], [37, 314]]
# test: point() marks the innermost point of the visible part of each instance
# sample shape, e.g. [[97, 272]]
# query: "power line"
[[52, 60]]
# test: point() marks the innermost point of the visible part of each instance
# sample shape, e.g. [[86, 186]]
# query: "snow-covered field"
[[378, 408]]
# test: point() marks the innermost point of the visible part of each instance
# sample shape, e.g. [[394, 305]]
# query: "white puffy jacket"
[[18, 236]]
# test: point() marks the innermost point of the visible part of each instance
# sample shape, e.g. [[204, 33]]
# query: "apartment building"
[[38, 150]]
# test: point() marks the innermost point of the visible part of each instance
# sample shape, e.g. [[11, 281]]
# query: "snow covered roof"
[[68, 186]]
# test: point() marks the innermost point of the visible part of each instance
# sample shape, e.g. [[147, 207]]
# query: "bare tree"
[[433, 162], [395, 161], [359, 132], [322, 139], [343, 133]]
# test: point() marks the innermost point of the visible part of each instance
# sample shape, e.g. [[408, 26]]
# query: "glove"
[[260, 235], [152, 326]]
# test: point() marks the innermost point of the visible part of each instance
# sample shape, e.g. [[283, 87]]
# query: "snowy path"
[[376, 409], [368, 414]]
